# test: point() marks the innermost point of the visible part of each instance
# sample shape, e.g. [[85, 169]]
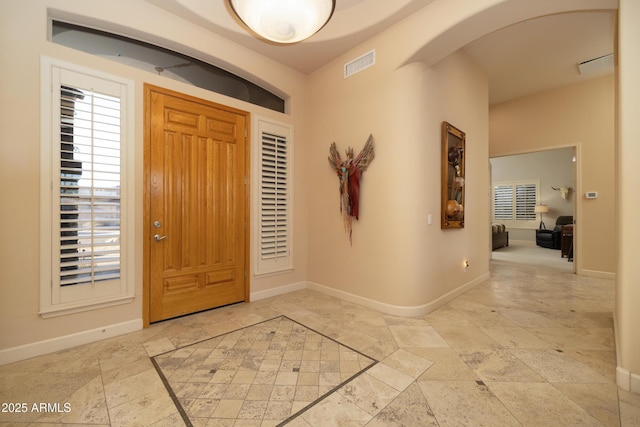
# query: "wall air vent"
[[360, 63]]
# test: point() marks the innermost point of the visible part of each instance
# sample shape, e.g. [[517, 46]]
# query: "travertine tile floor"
[[527, 347]]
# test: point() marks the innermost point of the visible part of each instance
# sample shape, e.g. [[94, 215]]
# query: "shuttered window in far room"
[[514, 203], [274, 227], [526, 197], [503, 202]]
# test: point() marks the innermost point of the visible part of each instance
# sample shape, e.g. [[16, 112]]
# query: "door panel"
[[197, 192]]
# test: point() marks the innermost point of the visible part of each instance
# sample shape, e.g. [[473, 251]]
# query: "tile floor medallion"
[[264, 374]]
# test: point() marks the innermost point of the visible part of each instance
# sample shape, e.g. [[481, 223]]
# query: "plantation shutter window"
[[526, 196], [503, 202], [274, 222], [87, 208], [89, 198], [514, 203], [273, 212]]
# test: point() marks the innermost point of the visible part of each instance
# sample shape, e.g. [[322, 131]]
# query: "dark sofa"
[[499, 236], [551, 238]]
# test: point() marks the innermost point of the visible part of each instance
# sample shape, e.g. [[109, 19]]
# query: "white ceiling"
[[521, 59]]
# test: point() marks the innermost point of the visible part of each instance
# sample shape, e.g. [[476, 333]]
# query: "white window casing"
[[87, 209], [274, 181]]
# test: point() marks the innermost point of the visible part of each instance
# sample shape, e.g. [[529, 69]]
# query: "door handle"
[[158, 237]]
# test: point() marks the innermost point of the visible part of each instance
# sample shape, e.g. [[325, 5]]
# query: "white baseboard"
[[627, 381], [268, 293], [398, 310], [597, 274], [39, 348], [624, 379]]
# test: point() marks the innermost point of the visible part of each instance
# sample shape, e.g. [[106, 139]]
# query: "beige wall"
[[23, 38], [628, 281], [396, 257], [580, 115]]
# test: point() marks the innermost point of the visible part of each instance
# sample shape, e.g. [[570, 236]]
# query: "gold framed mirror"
[[453, 177]]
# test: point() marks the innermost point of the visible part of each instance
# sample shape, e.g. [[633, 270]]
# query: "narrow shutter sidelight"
[[274, 197], [274, 182]]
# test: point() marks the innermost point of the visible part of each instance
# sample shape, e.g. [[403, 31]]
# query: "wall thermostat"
[[591, 194]]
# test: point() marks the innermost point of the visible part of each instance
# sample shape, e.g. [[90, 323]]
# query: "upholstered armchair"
[[551, 238]]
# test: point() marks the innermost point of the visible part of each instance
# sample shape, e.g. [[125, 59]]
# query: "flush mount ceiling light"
[[284, 21]]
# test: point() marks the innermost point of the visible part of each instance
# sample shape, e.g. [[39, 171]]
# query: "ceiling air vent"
[[360, 63], [599, 65]]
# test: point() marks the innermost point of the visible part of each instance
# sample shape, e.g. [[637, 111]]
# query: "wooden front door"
[[196, 174]]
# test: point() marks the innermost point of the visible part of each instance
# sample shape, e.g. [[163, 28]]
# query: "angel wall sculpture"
[[350, 171]]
